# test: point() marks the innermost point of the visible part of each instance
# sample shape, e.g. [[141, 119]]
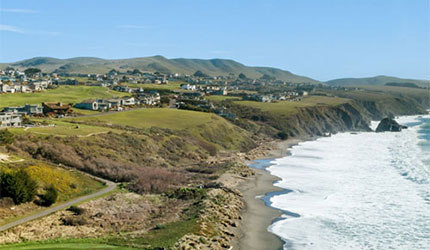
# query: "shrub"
[[18, 185], [6, 137], [50, 196], [77, 210], [282, 135], [155, 180], [188, 193], [74, 221]]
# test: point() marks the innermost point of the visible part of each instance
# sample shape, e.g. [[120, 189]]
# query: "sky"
[[324, 39]]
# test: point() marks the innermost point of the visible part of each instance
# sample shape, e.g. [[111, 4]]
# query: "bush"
[[18, 185], [155, 180], [50, 196], [77, 210], [188, 193], [6, 137], [282, 135], [74, 221]]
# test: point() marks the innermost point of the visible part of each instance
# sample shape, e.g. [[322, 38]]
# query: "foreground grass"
[[288, 108], [65, 94], [64, 246], [163, 238]]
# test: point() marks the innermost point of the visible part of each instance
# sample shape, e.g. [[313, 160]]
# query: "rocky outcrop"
[[388, 124]]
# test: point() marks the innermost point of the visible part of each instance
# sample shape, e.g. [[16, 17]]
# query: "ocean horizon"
[[362, 190]]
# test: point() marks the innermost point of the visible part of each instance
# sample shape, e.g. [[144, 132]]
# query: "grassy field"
[[69, 184], [287, 107], [64, 246], [206, 126], [156, 117], [219, 98], [163, 238], [170, 86], [65, 94], [63, 128]]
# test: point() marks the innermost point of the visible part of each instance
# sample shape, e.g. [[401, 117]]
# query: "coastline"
[[257, 216]]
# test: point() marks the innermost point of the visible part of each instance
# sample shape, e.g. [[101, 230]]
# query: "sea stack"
[[388, 124]]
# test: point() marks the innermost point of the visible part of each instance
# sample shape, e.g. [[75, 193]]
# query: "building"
[[28, 109], [87, 104], [55, 108], [8, 120]]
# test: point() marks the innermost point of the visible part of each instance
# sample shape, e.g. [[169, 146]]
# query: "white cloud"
[[10, 28], [4, 27], [131, 26], [18, 10]]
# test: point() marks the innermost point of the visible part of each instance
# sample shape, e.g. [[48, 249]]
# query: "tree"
[[18, 185], [136, 71], [50, 196], [267, 77], [242, 76], [32, 71], [198, 73], [6, 137]]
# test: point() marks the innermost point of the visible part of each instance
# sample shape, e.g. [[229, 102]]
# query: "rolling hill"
[[212, 67], [377, 81]]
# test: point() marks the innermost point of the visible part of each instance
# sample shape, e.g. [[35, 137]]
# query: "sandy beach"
[[257, 217]]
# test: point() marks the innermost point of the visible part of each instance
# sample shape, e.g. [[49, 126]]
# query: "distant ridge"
[[377, 81], [212, 67]]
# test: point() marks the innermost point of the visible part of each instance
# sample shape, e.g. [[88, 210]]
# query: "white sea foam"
[[356, 191]]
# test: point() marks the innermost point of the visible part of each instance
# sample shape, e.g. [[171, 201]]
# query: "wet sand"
[[257, 217]]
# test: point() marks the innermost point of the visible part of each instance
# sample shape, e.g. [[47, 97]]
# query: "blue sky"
[[322, 39]]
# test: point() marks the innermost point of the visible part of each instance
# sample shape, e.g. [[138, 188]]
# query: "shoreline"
[[257, 215]]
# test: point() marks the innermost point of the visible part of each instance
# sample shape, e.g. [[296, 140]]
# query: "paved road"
[[110, 186]]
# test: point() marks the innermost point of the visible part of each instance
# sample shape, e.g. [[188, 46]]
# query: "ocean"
[[357, 190]]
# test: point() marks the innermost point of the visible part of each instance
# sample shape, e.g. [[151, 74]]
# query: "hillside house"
[[8, 120], [129, 101], [188, 87], [28, 109], [57, 108], [87, 104]]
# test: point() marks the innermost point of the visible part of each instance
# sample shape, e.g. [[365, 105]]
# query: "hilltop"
[[377, 81], [212, 67]]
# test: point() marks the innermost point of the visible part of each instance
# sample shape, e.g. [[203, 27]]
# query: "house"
[[87, 104], [103, 104], [188, 87], [122, 89], [129, 101], [28, 109], [151, 98], [55, 108], [116, 102], [10, 120], [67, 82]]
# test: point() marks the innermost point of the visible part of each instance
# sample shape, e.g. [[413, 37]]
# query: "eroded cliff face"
[[319, 120], [378, 110]]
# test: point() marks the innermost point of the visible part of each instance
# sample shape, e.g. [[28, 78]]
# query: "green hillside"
[[213, 67], [376, 81]]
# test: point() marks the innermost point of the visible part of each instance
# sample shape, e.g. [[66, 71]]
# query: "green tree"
[[6, 137], [198, 73], [32, 71], [50, 196], [242, 76], [18, 185]]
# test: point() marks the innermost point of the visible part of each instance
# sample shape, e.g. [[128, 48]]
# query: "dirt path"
[[110, 186]]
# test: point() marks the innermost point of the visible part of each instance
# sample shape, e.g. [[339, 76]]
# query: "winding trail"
[[110, 186]]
